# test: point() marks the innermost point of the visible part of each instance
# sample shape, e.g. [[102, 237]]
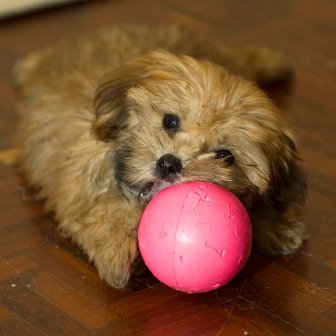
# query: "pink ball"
[[195, 237]]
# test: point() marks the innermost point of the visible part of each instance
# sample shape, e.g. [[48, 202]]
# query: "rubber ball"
[[195, 237]]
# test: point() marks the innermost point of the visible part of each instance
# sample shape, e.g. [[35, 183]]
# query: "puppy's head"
[[173, 119]]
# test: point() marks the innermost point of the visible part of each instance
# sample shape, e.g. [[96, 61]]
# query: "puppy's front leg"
[[277, 236], [110, 239]]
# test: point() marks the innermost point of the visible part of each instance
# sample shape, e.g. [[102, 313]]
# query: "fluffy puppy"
[[106, 124]]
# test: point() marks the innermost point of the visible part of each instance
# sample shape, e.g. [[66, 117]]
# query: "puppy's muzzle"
[[168, 167]]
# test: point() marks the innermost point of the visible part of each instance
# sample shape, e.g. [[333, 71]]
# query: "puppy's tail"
[[261, 65]]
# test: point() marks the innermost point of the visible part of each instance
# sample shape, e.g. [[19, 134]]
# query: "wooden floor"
[[46, 285]]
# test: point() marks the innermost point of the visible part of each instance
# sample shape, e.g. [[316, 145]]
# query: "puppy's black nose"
[[168, 166]]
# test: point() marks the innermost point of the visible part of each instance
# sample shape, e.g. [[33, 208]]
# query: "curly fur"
[[91, 134]]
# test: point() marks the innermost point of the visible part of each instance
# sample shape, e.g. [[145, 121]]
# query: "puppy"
[[106, 124]]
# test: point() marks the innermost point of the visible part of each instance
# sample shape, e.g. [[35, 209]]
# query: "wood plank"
[[291, 299], [43, 316], [15, 267], [76, 305]]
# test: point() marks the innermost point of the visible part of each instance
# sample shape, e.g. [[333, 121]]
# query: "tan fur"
[[91, 133]]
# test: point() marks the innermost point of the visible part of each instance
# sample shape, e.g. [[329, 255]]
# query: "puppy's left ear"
[[276, 215], [288, 190]]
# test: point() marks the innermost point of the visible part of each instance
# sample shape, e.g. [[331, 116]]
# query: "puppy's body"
[[104, 129]]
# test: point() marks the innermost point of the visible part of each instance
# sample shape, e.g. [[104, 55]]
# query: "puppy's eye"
[[226, 155], [171, 122]]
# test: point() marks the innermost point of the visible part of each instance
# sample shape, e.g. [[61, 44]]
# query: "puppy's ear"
[[276, 215], [288, 191], [112, 107], [276, 218], [111, 104]]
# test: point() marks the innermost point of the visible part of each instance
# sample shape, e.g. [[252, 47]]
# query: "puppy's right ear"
[[111, 104]]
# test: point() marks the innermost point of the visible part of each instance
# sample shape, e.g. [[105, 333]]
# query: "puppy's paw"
[[266, 66], [281, 239], [114, 262]]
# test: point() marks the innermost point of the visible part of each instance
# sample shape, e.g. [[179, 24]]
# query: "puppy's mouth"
[[151, 189]]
